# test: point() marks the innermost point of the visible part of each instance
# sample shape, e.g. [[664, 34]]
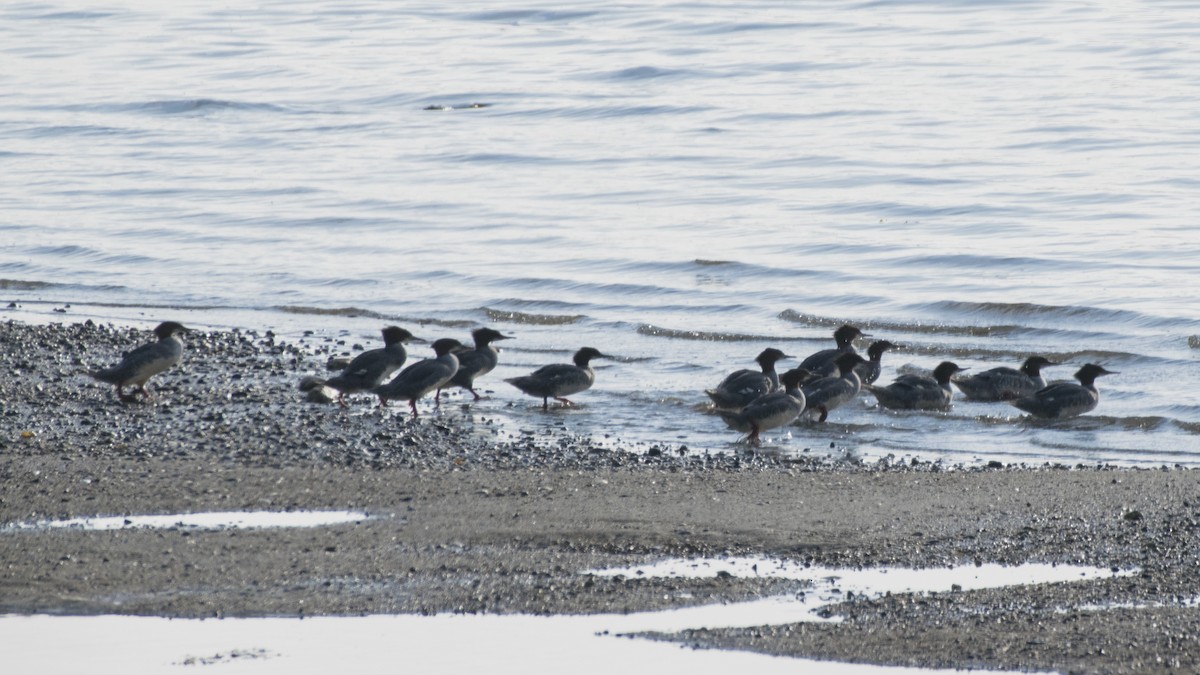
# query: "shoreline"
[[472, 522]]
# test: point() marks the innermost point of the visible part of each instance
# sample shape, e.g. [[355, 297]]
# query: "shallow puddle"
[[829, 586], [201, 521], [489, 643], [497, 645]]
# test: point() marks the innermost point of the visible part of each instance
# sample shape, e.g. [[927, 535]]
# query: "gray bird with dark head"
[[741, 387], [477, 362], [918, 392], [560, 380], [370, 368], [1005, 384], [820, 364], [1066, 399], [869, 372], [139, 365], [772, 410], [422, 377], [826, 393]]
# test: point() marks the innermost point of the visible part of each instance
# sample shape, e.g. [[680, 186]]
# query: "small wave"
[[531, 319], [64, 251], [1013, 356], [22, 285], [186, 106], [1019, 309], [75, 16], [79, 130], [444, 323], [1077, 314], [918, 327], [529, 16], [790, 27], [712, 263], [505, 158], [1092, 422], [1190, 427], [359, 313], [356, 312], [975, 262], [645, 73], [341, 282], [704, 336], [611, 111]]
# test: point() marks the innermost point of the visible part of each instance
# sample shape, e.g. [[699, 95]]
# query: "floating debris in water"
[[464, 106]]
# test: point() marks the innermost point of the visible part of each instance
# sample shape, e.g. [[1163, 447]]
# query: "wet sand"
[[468, 520]]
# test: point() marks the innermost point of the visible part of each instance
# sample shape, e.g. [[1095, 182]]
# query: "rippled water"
[[679, 184]]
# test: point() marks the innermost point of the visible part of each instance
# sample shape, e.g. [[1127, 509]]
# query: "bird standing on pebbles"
[[559, 380], [422, 377], [139, 365], [473, 363], [370, 368]]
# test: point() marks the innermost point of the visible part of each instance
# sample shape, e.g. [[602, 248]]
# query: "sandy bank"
[[467, 521]]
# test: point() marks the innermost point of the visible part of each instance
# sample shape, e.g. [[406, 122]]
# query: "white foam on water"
[[201, 521]]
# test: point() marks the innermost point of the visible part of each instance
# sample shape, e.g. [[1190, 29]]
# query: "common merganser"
[[422, 377], [370, 368], [138, 366], [559, 380], [820, 363], [1066, 399], [741, 387], [918, 392], [772, 410], [869, 372], [1004, 383], [826, 393], [473, 363]]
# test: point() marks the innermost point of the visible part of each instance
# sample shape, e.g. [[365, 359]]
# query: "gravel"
[[468, 517]]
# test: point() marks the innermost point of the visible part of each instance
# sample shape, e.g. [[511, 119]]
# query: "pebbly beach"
[[468, 518]]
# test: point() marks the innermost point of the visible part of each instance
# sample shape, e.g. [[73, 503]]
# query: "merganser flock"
[[749, 401]]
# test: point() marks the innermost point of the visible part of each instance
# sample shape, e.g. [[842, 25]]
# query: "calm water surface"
[[677, 184]]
